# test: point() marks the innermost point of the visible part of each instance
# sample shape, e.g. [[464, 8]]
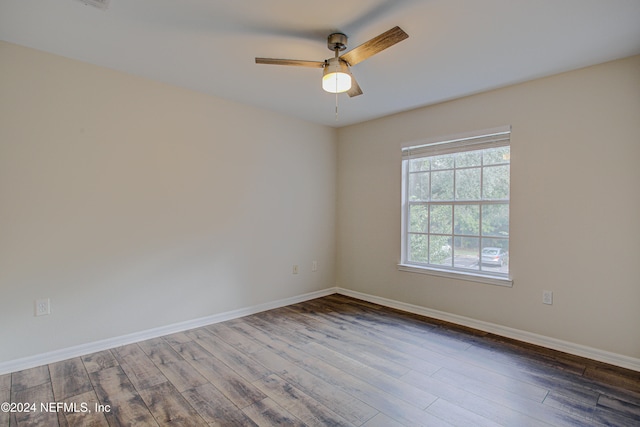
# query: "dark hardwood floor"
[[333, 361]]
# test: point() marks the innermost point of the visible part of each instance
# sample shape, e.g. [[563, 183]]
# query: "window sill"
[[491, 280]]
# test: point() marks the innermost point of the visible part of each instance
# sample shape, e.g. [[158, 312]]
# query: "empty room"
[[354, 213]]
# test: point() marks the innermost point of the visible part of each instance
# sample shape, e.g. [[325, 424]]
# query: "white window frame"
[[488, 138]]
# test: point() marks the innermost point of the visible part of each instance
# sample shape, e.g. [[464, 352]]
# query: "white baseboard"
[[92, 347], [552, 343], [528, 337]]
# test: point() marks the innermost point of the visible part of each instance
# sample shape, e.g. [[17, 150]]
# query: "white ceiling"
[[455, 47]]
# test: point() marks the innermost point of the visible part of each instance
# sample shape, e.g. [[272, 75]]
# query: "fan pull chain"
[[337, 50]]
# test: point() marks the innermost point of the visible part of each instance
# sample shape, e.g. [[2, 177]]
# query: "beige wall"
[[134, 205], [575, 209]]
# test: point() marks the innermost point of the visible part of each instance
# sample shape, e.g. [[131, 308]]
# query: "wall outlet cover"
[[42, 307]]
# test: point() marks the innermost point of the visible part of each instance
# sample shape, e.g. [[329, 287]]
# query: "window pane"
[[418, 218], [468, 184], [495, 255], [419, 186], [466, 252], [495, 220], [496, 155], [442, 162], [470, 158], [502, 244], [441, 219], [418, 248], [440, 250], [495, 182], [442, 185], [421, 164], [467, 220]]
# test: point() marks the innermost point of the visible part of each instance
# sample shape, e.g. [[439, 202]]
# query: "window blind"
[[495, 137]]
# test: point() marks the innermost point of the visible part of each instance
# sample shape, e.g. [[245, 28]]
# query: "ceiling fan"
[[337, 77]]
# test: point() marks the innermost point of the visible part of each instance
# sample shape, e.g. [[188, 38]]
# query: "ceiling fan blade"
[[375, 45], [355, 88], [294, 62]]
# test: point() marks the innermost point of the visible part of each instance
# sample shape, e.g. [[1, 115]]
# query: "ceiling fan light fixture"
[[336, 77]]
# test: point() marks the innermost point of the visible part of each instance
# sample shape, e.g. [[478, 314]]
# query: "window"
[[455, 205]]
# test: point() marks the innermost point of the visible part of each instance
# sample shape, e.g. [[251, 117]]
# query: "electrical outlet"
[[314, 265], [42, 307], [295, 269], [547, 297]]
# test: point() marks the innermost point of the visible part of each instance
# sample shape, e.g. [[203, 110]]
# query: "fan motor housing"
[[337, 41]]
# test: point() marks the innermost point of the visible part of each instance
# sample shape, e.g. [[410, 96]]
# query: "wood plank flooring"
[[332, 361]]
